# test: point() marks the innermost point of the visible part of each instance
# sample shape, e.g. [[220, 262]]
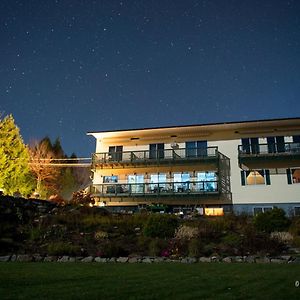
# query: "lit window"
[[256, 177], [214, 211]]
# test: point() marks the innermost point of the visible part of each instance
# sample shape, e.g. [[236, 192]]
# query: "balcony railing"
[[157, 155], [269, 149], [155, 189]]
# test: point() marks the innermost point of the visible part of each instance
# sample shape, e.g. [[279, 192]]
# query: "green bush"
[[194, 248], [62, 248], [273, 220], [156, 246], [161, 226]]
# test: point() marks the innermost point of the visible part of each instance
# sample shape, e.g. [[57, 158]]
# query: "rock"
[[101, 259], [227, 259], [295, 261], [37, 258], [204, 259], [4, 258], [286, 257], [214, 259], [250, 259], [88, 259], [158, 259], [262, 260], [122, 260], [238, 259], [189, 260], [24, 258], [64, 258], [135, 259], [147, 260], [278, 261], [112, 260], [50, 258], [13, 257], [72, 259], [78, 258]]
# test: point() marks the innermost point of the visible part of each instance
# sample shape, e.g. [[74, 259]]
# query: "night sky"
[[71, 66]]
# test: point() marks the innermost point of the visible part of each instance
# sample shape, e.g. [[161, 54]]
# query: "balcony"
[[157, 157], [269, 156], [161, 189]]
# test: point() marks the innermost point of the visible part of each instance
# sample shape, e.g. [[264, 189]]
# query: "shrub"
[[194, 248], [186, 232], [100, 235], [156, 247], [295, 226], [282, 236], [62, 248], [273, 220], [161, 226]]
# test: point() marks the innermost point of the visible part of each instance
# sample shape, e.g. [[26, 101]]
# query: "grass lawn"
[[143, 281]]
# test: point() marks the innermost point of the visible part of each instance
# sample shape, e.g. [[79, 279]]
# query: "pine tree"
[[15, 175]]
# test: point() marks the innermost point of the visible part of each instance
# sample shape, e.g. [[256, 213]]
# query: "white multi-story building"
[[247, 167]]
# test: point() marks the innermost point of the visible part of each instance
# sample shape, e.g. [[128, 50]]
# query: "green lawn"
[[143, 281]]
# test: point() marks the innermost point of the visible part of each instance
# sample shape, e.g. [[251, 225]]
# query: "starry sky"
[[72, 66]]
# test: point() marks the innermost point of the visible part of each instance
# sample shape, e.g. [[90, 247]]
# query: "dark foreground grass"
[[142, 281]]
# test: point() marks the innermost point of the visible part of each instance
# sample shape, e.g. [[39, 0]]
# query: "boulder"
[[37, 258], [204, 259], [250, 259], [72, 259], [147, 260], [112, 260], [64, 258], [189, 260], [134, 259], [262, 260], [158, 259], [50, 258], [101, 259], [13, 257], [4, 258], [227, 259], [278, 261], [88, 259], [24, 258], [122, 260]]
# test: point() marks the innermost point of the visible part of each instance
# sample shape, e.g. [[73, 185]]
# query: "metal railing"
[[156, 155], [161, 188], [263, 149]]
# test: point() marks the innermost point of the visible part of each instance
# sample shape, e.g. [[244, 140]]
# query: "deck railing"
[[161, 188], [269, 149], [156, 155]]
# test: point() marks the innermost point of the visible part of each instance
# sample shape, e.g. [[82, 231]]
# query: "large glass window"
[[115, 153], [110, 179], [250, 145], [158, 182], [181, 182], [156, 151], [196, 148], [293, 176], [207, 181], [136, 183], [255, 177]]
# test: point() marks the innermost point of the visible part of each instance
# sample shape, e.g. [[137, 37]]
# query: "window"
[[255, 177], [115, 153], [156, 151], [214, 211], [258, 210], [293, 176], [157, 182], [297, 210], [110, 179], [196, 149], [181, 182], [250, 145], [136, 183], [207, 181]]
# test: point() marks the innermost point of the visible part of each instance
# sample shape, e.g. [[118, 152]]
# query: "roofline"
[[193, 125]]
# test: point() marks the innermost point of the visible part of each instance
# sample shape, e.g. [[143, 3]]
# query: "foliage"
[[186, 232], [194, 248], [15, 175], [62, 248], [156, 246], [161, 226], [273, 220]]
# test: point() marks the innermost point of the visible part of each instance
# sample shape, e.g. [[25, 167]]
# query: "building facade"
[[241, 166]]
